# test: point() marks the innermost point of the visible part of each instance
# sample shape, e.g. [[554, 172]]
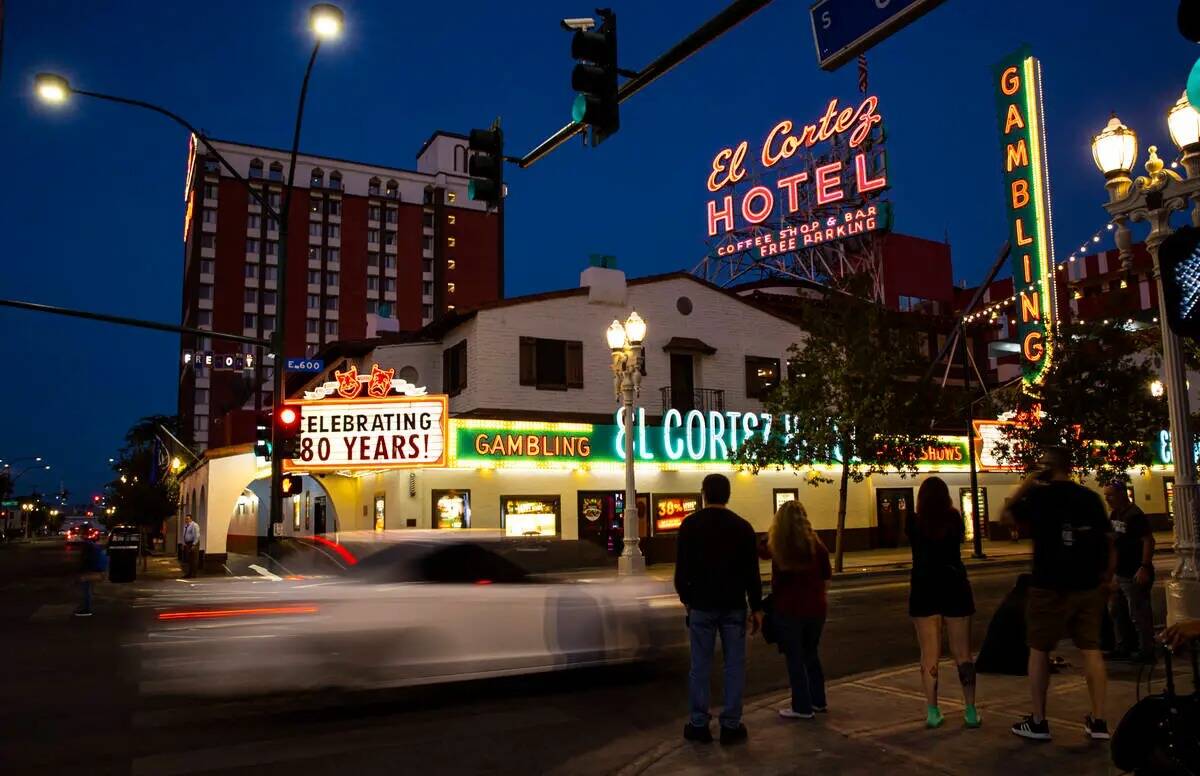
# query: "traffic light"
[[1179, 262], [287, 431], [595, 77], [262, 435], [486, 165], [290, 485]]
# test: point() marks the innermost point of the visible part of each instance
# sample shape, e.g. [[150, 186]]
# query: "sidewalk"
[[876, 725], [863, 562]]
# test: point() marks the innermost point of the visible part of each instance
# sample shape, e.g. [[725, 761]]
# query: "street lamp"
[[625, 340], [1153, 198], [326, 22], [1156, 389]]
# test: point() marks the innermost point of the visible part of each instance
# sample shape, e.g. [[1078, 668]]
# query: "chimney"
[[604, 282]]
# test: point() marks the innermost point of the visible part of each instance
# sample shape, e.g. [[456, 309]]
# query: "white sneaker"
[[787, 713]]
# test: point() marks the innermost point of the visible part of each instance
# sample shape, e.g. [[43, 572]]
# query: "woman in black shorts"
[[941, 593]]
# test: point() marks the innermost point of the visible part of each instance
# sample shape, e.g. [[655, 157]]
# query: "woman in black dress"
[[941, 593]]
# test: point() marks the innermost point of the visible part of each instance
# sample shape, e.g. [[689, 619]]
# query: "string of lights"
[[992, 311]]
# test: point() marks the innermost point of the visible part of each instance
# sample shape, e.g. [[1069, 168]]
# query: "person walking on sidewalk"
[[191, 546], [800, 574], [717, 579], [93, 562], [1132, 616], [1073, 563], [940, 594]]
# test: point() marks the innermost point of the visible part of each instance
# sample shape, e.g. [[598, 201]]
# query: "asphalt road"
[[64, 707]]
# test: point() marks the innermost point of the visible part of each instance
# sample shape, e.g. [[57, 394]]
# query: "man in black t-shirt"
[[1133, 618], [1073, 563]]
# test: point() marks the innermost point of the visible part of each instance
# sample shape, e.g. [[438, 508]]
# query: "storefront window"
[[784, 495], [380, 512], [968, 514], [451, 509], [671, 508], [530, 515]]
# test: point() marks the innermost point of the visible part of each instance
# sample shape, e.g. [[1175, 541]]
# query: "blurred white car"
[[417, 608]]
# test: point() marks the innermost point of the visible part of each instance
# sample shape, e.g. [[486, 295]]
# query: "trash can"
[[124, 543]]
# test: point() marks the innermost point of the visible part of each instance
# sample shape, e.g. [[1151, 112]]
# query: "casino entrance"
[[602, 518]]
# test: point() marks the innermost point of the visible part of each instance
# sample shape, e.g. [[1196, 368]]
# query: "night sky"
[[91, 213]]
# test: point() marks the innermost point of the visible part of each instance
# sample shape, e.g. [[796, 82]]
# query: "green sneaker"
[[933, 717], [971, 715]]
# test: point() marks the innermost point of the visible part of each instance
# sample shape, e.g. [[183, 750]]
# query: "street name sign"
[[843, 29], [309, 365]]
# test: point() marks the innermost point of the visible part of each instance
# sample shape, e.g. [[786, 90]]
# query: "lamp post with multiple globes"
[[1153, 198], [625, 340]]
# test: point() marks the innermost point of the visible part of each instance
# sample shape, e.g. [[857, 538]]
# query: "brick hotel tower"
[[371, 249]]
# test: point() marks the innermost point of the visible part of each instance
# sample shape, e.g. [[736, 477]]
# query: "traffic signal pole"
[[735, 13]]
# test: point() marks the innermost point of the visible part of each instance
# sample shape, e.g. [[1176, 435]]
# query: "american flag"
[[862, 73]]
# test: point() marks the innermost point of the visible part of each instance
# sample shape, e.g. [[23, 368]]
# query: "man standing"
[[716, 574], [1130, 605], [191, 547], [1073, 563]]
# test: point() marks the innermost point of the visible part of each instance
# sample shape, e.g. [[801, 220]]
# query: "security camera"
[[584, 24]]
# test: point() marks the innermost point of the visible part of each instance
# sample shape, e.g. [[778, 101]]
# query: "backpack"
[[1160, 734]]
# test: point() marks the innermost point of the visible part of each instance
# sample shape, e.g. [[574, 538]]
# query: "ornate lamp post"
[[625, 341], [1153, 198]]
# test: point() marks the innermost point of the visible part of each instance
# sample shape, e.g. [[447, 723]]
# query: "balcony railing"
[[686, 399]]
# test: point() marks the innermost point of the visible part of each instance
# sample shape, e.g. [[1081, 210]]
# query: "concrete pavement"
[[876, 725]]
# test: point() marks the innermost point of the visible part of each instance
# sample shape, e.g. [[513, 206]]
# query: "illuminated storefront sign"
[[988, 434], [684, 438], [804, 180], [1027, 202], [671, 508], [396, 432], [1161, 449]]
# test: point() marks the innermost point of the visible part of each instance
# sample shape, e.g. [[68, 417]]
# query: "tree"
[[1095, 402], [848, 399], [145, 491]]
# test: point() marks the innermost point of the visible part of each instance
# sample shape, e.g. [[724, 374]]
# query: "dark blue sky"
[[92, 210]]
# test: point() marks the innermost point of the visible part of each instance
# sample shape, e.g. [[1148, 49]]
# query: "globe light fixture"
[[615, 335], [1156, 389], [51, 89], [1115, 149], [635, 328], [1184, 124], [326, 20]]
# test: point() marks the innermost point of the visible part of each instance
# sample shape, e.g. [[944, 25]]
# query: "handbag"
[[1160, 734], [770, 629]]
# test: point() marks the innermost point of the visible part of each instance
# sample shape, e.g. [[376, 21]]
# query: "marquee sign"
[[692, 437], [803, 183], [1027, 201], [367, 427]]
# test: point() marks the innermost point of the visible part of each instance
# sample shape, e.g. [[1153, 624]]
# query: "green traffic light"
[[579, 108], [471, 189]]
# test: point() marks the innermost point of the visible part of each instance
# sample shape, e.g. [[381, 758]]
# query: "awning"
[[688, 345]]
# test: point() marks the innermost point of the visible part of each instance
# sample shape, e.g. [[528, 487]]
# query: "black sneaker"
[[733, 735], [701, 735], [1096, 729], [1036, 731]]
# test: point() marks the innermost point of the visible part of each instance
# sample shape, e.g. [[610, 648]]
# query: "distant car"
[[417, 608], [82, 532]]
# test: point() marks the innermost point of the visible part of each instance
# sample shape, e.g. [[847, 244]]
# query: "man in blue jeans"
[[716, 576]]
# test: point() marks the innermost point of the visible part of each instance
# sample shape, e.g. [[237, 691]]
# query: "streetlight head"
[[38, 459], [51, 88], [326, 20], [635, 327], [1115, 148], [1156, 389], [615, 335], [1184, 124]]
